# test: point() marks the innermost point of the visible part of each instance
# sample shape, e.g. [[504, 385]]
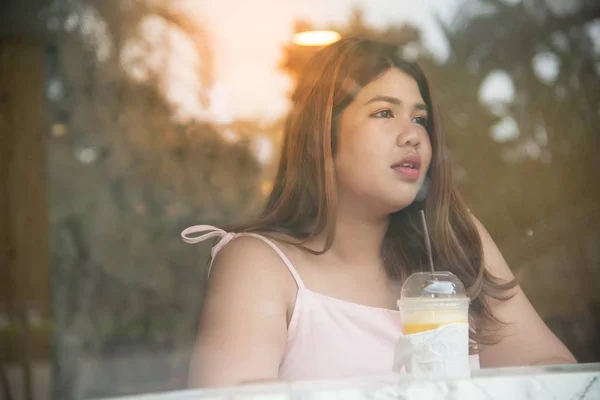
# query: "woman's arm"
[[243, 324], [526, 340]]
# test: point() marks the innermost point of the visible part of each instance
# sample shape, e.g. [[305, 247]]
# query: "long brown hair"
[[303, 201]]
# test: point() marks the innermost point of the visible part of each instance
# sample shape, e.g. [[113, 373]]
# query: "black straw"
[[427, 241]]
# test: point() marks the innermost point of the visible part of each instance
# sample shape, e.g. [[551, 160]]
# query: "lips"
[[409, 167]]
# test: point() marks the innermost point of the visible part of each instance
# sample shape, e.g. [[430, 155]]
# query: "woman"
[[308, 290]]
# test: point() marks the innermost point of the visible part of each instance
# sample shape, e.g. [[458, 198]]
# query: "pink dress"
[[328, 338]]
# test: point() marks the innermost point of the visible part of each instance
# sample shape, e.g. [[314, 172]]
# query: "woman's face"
[[383, 148]]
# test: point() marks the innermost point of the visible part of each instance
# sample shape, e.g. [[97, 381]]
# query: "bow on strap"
[[211, 232]]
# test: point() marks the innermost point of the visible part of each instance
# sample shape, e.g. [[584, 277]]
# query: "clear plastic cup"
[[431, 300]]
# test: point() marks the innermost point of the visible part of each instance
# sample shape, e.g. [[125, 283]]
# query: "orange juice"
[[410, 328], [421, 315]]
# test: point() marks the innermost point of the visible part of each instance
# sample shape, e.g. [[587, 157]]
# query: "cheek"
[[362, 151], [352, 141], [357, 157], [426, 150]]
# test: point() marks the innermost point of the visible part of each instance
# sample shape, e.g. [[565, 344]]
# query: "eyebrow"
[[394, 100]]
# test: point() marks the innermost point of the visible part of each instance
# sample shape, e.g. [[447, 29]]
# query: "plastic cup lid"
[[437, 285]]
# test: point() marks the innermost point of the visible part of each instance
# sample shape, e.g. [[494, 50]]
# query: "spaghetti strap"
[[210, 231]]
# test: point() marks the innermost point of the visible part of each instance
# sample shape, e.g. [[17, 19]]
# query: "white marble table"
[[572, 382]]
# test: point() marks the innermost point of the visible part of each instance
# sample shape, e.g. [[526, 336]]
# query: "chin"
[[400, 204]]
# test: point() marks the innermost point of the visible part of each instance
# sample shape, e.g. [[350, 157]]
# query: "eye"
[[420, 120], [387, 113]]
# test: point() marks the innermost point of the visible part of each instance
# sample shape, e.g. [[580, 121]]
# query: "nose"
[[408, 136]]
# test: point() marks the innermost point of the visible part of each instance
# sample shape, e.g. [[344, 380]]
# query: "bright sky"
[[247, 38]]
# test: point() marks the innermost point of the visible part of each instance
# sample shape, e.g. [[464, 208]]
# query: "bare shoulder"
[[493, 258], [249, 261], [243, 323], [526, 340], [486, 238]]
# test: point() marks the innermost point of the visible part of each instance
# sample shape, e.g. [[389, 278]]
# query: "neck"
[[358, 241], [358, 237]]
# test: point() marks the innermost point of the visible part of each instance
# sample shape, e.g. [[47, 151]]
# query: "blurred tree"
[[128, 171], [554, 116]]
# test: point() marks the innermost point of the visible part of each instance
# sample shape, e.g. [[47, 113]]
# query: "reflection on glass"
[[160, 114]]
